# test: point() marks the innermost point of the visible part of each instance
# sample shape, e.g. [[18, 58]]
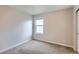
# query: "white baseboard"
[[56, 43], [3, 50]]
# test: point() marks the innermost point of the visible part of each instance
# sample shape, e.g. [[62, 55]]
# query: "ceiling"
[[38, 9]]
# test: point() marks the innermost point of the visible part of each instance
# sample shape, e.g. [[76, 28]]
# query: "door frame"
[[76, 16]]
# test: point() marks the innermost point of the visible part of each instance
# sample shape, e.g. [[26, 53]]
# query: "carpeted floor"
[[38, 47]]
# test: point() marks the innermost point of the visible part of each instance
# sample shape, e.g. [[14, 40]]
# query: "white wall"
[[15, 27], [58, 27]]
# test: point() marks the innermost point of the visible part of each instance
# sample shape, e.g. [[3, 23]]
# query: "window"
[[39, 26]]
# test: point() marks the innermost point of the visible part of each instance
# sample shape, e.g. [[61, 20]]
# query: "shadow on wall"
[[15, 27]]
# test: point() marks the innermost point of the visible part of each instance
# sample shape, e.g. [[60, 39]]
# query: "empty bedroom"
[[39, 29]]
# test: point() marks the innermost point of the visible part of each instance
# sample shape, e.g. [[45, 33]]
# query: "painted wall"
[[15, 27], [58, 27]]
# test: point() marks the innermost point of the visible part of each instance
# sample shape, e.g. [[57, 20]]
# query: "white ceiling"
[[37, 9]]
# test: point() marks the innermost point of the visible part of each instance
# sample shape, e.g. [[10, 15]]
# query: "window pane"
[[39, 29], [39, 22]]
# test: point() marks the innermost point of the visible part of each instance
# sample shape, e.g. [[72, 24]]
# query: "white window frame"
[[37, 32]]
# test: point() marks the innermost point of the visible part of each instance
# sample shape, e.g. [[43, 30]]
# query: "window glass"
[[39, 26]]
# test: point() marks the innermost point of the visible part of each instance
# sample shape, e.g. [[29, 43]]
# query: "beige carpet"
[[38, 47]]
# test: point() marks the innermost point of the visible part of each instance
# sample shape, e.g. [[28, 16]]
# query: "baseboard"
[[55, 43], [3, 50]]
